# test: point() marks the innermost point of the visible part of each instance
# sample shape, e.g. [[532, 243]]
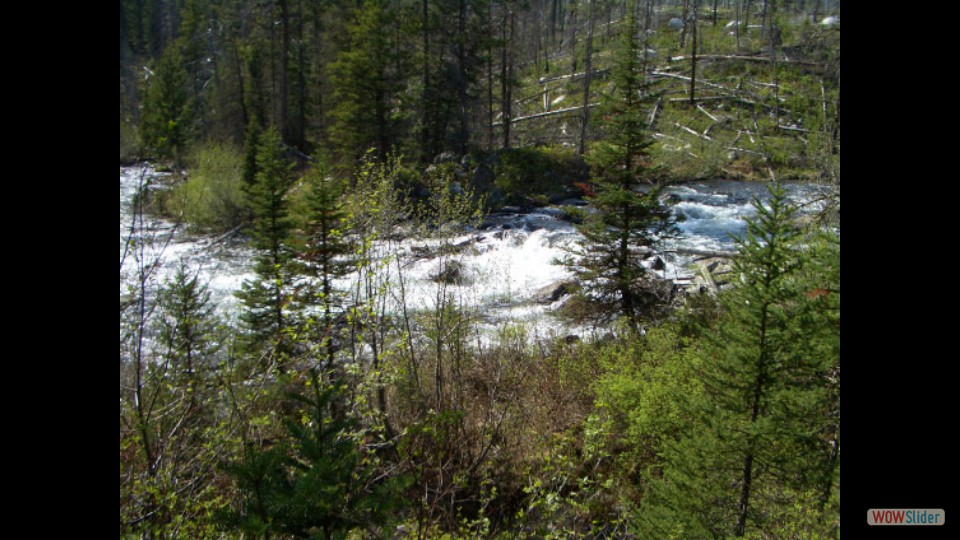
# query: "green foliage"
[[524, 437], [525, 174], [171, 427], [327, 250], [187, 327], [129, 142], [318, 484], [165, 126], [643, 388], [265, 298], [251, 146], [765, 430], [365, 86], [212, 198], [626, 225]]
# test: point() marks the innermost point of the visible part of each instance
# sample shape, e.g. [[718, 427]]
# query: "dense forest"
[[323, 135]]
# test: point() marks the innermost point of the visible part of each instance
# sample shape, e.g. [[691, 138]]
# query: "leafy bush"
[[643, 386], [129, 142], [212, 197], [537, 173]]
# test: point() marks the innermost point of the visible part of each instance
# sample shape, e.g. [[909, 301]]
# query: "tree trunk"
[[318, 80], [736, 27], [282, 121], [490, 78], [425, 113], [300, 135], [573, 41], [742, 506], [759, 385], [836, 125], [519, 119], [585, 117], [463, 136], [693, 58], [506, 68], [683, 31], [553, 22]]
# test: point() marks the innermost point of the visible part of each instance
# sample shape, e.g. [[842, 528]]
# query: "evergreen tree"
[[365, 84], [761, 439], [166, 109], [327, 250], [319, 484], [186, 325], [627, 224], [266, 297]]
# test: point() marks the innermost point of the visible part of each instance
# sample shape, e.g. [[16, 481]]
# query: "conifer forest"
[[479, 269]]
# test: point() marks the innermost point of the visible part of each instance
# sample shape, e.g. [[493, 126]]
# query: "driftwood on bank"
[[705, 253], [707, 278], [225, 235]]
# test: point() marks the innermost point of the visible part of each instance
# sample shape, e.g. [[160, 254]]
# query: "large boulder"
[[675, 23], [452, 273], [553, 292], [446, 157], [832, 20]]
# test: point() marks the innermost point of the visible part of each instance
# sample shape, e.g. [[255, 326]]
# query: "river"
[[505, 262]]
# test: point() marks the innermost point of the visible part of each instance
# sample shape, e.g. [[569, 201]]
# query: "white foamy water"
[[163, 245], [502, 266]]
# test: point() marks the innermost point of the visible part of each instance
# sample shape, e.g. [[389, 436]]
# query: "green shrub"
[[129, 142], [537, 173], [643, 387], [212, 196]]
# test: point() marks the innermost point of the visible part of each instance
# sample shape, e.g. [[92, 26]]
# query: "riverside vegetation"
[[325, 133]]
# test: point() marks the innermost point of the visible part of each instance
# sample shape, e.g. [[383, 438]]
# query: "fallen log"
[[702, 98], [704, 111], [744, 150], [660, 73], [788, 128], [225, 235], [692, 132], [544, 114], [745, 59], [707, 278], [653, 114], [575, 76], [703, 253]]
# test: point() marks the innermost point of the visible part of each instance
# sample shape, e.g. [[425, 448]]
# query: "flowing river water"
[[504, 265]]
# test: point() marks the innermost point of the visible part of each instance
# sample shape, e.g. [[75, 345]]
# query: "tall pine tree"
[[763, 437], [317, 484], [326, 255], [186, 326], [167, 108], [627, 224], [266, 298], [365, 85]]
